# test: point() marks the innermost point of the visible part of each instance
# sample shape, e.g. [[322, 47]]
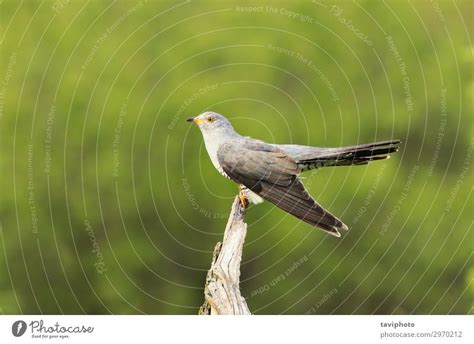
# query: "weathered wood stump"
[[222, 292]]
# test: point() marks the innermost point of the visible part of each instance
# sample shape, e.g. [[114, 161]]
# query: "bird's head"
[[212, 123]]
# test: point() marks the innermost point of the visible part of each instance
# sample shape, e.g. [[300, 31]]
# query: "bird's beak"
[[194, 120]]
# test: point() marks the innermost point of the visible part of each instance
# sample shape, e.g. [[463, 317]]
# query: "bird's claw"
[[244, 202]]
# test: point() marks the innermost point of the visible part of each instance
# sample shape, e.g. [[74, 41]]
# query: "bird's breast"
[[212, 147]]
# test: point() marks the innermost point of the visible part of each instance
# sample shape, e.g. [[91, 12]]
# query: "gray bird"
[[270, 171]]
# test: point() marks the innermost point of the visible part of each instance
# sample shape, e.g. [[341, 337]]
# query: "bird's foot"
[[243, 200]]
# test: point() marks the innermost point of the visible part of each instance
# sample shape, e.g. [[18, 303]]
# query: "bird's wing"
[[272, 174]]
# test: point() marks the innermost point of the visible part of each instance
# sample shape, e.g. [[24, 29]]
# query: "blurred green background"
[[110, 204]]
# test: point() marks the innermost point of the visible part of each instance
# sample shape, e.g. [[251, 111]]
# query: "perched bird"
[[270, 171]]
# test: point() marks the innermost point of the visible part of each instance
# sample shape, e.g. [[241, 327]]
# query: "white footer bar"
[[228, 329]]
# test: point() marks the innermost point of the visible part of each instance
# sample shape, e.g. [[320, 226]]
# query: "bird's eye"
[[210, 119]]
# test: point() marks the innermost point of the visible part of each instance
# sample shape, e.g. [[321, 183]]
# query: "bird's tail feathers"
[[352, 155]]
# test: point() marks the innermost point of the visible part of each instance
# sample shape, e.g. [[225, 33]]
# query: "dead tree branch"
[[222, 293]]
